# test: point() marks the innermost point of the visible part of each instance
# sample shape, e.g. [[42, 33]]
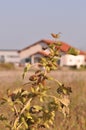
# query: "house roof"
[[64, 46], [9, 50], [31, 45]]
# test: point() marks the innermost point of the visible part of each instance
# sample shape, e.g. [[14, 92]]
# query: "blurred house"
[[9, 56], [34, 52], [71, 60]]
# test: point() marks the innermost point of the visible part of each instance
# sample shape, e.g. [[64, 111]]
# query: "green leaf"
[[73, 51], [25, 70]]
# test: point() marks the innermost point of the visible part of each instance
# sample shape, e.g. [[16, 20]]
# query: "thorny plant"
[[35, 108]]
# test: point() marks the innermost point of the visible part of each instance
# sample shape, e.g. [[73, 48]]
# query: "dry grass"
[[75, 79]]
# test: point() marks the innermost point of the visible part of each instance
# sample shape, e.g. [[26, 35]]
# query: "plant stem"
[[17, 119]]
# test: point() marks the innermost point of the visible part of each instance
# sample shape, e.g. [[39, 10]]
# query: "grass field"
[[75, 79]]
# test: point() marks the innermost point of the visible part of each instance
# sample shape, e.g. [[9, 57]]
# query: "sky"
[[24, 22]]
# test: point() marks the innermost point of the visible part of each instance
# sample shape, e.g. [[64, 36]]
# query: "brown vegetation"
[[74, 79]]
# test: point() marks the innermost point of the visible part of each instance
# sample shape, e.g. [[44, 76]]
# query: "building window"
[[44, 48], [70, 60], [13, 56], [28, 60], [37, 59], [78, 60], [2, 58], [58, 62]]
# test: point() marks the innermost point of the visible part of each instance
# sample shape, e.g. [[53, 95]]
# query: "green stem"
[[17, 119]]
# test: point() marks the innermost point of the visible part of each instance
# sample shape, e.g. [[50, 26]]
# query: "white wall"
[[30, 51], [80, 60], [71, 60], [10, 56]]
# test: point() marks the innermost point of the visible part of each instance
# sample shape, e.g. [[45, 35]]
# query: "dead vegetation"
[[75, 79]]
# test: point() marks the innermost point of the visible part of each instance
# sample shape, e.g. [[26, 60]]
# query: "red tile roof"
[[64, 46], [82, 52]]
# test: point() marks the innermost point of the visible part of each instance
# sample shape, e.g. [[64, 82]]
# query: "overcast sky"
[[23, 22]]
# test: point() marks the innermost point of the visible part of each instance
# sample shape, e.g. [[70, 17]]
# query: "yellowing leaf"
[[32, 89], [37, 107], [51, 122], [65, 111], [25, 123], [41, 99], [65, 101], [28, 116], [47, 125]]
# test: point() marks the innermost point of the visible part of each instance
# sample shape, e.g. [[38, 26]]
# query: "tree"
[[35, 107]]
